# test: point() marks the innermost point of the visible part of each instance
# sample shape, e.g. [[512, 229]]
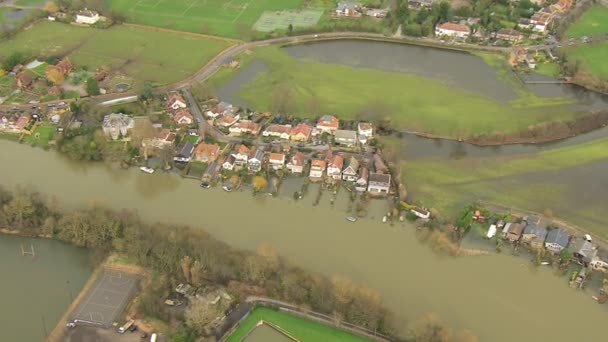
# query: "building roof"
[[185, 150], [344, 134], [353, 163], [22, 121], [539, 232], [337, 162], [347, 5], [558, 236], [117, 120], [279, 129], [301, 128], [87, 13], [258, 154], [229, 159], [242, 149], [174, 97], [318, 164], [297, 159], [247, 125], [182, 114], [328, 121], [276, 158], [515, 228], [454, 27], [211, 150], [364, 126], [381, 178]]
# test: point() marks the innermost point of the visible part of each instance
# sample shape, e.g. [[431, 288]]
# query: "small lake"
[[36, 291]]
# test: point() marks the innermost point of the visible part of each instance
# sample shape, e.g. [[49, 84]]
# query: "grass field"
[[413, 102], [274, 20], [593, 58], [146, 55], [564, 180], [41, 135], [232, 18], [301, 329], [593, 21]]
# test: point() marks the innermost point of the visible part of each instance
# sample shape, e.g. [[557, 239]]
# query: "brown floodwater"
[[499, 297]]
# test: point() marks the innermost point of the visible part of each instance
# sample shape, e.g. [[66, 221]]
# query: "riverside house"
[[328, 124], [512, 231], [300, 133], [379, 183], [278, 131], [206, 152], [351, 170], [228, 163], [600, 261], [365, 131], [452, 30], [296, 163], [348, 9], [317, 168], [256, 159], [86, 16], [582, 251], [241, 154], [222, 108], [334, 168], [183, 117], [361, 183], [184, 152], [276, 161], [534, 236], [557, 240]]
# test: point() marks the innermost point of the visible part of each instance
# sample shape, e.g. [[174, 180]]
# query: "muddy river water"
[[499, 297]]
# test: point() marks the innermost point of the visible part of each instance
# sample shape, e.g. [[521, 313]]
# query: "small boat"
[[351, 218], [545, 263], [146, 169], [205, 185], [227, 188], [384, 219]]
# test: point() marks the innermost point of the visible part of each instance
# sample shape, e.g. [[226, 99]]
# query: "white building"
[[452, 30], [117, 124], [365, 131], [379, 183], [87, 17]]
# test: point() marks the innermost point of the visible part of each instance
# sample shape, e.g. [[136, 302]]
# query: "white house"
[[221, 108], [345, 138], [348, 8], [276, 160], [245, 127], [87, 16], [241, 154], [317, 168], [117, 124], [379, 183], [254, 163], [279, 131], [334, 168], [183, 117], [365, 131], [296, 163], [452, 30], [228, 164], [424, 214], [361, 183], [351, 170], [176, 101], [184, 153]]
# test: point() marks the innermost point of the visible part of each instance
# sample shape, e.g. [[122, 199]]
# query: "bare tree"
[[199, 315], [185, 264]]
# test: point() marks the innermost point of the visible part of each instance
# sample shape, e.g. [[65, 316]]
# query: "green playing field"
[[280, 20], [232, 18]]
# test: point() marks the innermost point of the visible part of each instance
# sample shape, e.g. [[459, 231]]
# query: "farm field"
[[307, 88], [145, 55], [593, 21], [301, 329], [233, 18], [592, 57], [560, 181]]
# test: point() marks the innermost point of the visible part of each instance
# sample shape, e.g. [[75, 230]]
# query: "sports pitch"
[[229, 18], [280, 20]]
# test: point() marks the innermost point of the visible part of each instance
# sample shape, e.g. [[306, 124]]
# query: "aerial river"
[[499, 297]]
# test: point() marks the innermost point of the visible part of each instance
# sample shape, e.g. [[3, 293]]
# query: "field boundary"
[[186, 33]]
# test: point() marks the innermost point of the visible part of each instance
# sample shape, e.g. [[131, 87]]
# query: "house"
[[317, 168], [163, 138], [510, 35], [245, 127], [351, 170], [557, 240], [221, 108], [87, 16], [278, 131], [512, 231], [328, 124], [361, 183], [183, 117], [376, 12], [379, 183], [211, 172], [452, 30], [365, 131], [334, 168], [184, 152], [296, 163], [600, 261], [582, 250], [540, 21], [419, 4], [206, 152], [562, 5], [301, 132], [117, 124], [227, 120], [25, 80], [345, 138], [530, 61], [348, 9], [254, 163], [22, 122], [241, 154], [524, 23], [176, 101], [228, 163], [65, 66], [534, 235], [276, 161]]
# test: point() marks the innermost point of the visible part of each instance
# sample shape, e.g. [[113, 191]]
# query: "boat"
[[227, 188], [351, 218], [146, 169], [205, 185], [384, 219]]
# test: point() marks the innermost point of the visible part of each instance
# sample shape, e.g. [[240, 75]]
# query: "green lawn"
[[413, 102], [593, 21], [146, 55], [554, 179], [36, 3], [593, 58], [233, 18], [45, 132], [548, 69], [301, 329]]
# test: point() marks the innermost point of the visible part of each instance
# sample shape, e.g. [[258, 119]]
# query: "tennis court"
[[106, 299], [280, 20]]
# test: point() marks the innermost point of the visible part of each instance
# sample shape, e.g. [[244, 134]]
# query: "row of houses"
[[534, 233]]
